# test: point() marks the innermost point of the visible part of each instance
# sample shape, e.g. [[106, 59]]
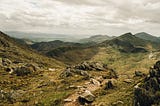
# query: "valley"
[[59, 73]]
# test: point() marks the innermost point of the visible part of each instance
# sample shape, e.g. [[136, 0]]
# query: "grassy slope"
[[40, 88], [126, 65]]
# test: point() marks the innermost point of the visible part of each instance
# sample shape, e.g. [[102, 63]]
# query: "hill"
[[148, 37], [45, 47], [96, 38], [67, 52], [130, 43], [14, 50]]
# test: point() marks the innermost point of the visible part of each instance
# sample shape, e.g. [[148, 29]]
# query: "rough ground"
[[123, 93]]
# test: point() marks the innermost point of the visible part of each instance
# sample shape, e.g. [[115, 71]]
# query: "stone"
[[86, 97], [118, 103], [66, 73], [6, 62], [84, 73], [10, 70], [99, 67], [109, 84], [52, 69], [95, 82], [68, 100], [25, 70], [139, 74], [128, 81]]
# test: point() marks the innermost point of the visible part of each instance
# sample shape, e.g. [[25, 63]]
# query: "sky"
[[81, 17]]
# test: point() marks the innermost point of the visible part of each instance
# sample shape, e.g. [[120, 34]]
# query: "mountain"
[[96, 38], [11, 49], [129, 43], [67, 52], [39, 37], [93, 74], [148, 37], [44, 47]]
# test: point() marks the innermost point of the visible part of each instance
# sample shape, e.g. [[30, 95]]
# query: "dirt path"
[[74, 97]]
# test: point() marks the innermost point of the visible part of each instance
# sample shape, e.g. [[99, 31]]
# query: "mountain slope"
[[129, 43], [9, 48], [96, 38], [45, 47], [67, 52], [148, 37]]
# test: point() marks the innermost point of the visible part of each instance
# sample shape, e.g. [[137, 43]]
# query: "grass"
[[124, 64]]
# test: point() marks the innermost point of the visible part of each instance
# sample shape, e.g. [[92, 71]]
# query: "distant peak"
[[95, 36], [127, 35]]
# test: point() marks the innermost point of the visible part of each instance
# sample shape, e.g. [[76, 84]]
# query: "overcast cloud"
[[111, 17]]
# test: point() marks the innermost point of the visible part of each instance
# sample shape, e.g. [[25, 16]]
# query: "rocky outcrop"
[[24, 70], [90, 66], [83, 68], [20, 69], [148, 92]]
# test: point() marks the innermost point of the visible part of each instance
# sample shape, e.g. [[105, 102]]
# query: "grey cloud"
[[81, 16]]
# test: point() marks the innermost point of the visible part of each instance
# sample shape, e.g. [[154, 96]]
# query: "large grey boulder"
[[86, 97]]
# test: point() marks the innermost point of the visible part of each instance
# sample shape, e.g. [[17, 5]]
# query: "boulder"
[[86, 97], [99, 67], [109, 84], [10, 70], [66, 73], [95, 82], [25, 70]]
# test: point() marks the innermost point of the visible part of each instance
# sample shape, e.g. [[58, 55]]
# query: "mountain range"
[[92, 71]]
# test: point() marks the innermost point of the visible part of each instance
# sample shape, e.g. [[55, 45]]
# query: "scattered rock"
[[118, 103], [6, 62], [139, 74], [86, 97], [25, 70], [72, 87], [81, 69], [66, 73], [52, 69], [91, 66], [128, 80], [109, 84], [9, 70], [68, 100], [95, 82]]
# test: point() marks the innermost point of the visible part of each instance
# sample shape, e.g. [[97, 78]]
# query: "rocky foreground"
[[147, 93], [84, 93]]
